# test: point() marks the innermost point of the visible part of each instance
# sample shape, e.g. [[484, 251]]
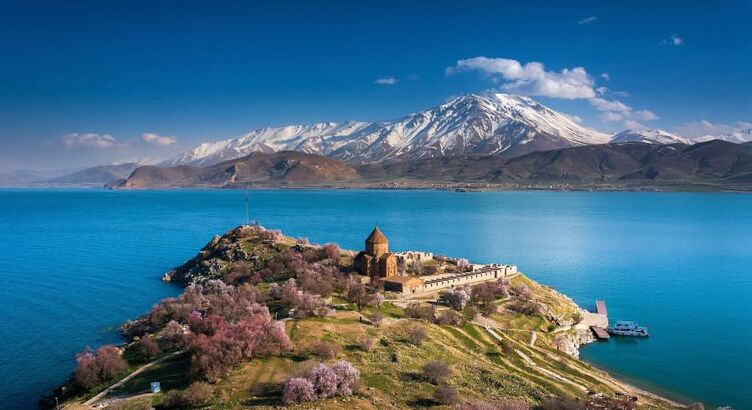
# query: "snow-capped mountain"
[[738, 136], [649, 136], [488, 123]]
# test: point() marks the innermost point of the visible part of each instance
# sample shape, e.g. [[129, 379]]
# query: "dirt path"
[[125, 379]]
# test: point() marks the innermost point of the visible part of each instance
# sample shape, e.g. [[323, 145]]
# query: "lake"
[[77, 263]]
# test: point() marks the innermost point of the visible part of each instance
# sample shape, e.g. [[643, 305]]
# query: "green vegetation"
[[406, 357]]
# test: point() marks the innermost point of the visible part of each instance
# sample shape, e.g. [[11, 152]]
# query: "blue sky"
[[82, 82]]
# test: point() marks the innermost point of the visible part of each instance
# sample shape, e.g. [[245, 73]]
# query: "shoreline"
[[578, 338]]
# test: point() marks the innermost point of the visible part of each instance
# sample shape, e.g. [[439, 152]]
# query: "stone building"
[[376, 261]]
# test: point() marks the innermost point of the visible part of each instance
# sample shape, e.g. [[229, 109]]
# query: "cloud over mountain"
[[88, 140], [531, 78], [156, 139]]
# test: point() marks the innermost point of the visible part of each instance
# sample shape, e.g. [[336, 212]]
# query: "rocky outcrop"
[[215, 258]]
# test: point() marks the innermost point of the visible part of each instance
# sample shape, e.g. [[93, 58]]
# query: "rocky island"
[[266, 320]]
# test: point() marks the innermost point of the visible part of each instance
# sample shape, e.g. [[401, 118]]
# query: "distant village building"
[[376, 261]]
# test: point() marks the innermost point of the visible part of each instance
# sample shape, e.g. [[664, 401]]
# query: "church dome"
[[376, 236]]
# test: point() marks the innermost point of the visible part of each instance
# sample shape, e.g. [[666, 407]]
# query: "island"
[[269, 321]]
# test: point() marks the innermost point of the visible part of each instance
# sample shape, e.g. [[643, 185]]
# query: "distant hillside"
[[709, 165], [486, 123], [286, 168], [98, 175]]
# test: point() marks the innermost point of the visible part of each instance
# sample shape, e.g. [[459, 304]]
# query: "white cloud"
[[621, 93], [156, 139], [606, 76], [588, 20], [615, 110], [531, 78], [88, 140], [386, 81], [634, 125], [674, 40], [601, 90], [740, 131]]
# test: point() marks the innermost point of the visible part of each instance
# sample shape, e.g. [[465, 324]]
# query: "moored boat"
[[627, 328]]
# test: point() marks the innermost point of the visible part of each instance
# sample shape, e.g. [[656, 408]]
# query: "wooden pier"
[[600, 333]]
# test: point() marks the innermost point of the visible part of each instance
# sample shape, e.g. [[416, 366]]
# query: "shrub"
[[376, 318], [347, 377], [450, 318], [445, 395], [310, 305], [148, 348], [523, 291], [172, 334], [324, 381], [173, 399], [367, 343], [457, 298], [93, 368], [525, 307], [560, 403], [298, 390], [417, 335], [331, 251], [325, 350], [576, 317], [436, 372], [357, 293], [195, 395], [413, 310]]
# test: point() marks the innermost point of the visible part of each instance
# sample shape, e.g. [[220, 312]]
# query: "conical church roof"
[[376, 236]]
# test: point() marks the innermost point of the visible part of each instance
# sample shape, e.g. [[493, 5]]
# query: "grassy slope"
[[484, 368], [391, 372]]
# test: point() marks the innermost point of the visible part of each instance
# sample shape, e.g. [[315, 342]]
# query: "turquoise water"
[[76, 263]]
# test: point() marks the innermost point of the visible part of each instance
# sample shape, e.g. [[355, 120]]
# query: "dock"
[[600, 333], [600, 307]]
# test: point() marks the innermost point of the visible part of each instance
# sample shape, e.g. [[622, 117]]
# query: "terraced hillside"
[[509, 355]]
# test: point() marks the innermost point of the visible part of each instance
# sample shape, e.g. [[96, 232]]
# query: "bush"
[[445, 395], [148, 348], [560, 403], [322, 382], [412, 310], [331, 251], [367, 343], [198, 394], [457, 298], [325, 350], [93, 368], [376, 318], [417, 335], [525, 307], [450, 318], [523, 291], [298, 390], [195, 395], [436, 372]]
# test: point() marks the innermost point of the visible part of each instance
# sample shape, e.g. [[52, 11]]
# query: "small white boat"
[[626, 328]]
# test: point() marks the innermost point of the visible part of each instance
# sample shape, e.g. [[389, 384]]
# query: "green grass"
[[173, 373]]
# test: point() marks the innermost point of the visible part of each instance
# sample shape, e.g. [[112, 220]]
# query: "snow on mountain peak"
[[650, 136], [487, 123]]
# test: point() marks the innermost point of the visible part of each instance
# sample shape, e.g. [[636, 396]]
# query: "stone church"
[[376, 261]]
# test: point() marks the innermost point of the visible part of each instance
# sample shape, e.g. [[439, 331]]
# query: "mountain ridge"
[[487, 123], [710, 165]]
